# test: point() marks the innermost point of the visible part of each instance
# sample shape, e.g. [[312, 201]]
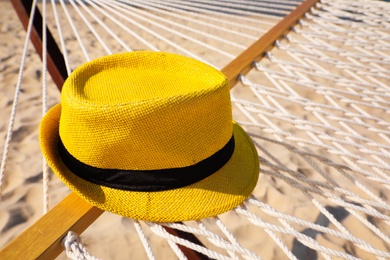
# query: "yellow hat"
[[149, 135]]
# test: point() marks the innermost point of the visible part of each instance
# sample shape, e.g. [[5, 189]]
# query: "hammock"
[[311, 87]]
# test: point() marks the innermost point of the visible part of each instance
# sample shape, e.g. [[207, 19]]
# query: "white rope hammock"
[[317, 108]]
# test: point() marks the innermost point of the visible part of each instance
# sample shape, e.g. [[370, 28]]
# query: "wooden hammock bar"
[[243, 63], [55, 59], [43, 239]]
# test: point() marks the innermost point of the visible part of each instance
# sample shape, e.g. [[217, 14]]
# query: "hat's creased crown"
[[144, 111]]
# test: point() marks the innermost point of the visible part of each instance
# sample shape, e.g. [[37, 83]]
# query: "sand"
[[112, 236]]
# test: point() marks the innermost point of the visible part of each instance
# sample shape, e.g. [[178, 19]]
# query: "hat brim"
[[218, 193]]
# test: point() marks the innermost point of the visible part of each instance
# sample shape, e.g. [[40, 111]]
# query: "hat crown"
[[144, 111]]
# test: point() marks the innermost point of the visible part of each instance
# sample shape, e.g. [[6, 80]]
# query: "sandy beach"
[[113, 236]]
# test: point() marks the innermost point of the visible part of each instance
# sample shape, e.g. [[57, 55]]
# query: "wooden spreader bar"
[[43, 239], [243, 63], [55, 59]]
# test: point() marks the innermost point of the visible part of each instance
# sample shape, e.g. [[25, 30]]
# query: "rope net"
[[316, 106]]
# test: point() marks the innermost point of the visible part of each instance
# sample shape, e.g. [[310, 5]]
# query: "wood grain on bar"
[[43, 239], [243, 63]]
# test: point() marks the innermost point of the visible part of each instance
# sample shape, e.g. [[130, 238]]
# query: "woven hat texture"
[[150, 111]]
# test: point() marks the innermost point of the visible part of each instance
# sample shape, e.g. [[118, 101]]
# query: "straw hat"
[[149, 135]]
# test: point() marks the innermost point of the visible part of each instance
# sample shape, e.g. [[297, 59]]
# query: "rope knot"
[[74, 249]]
